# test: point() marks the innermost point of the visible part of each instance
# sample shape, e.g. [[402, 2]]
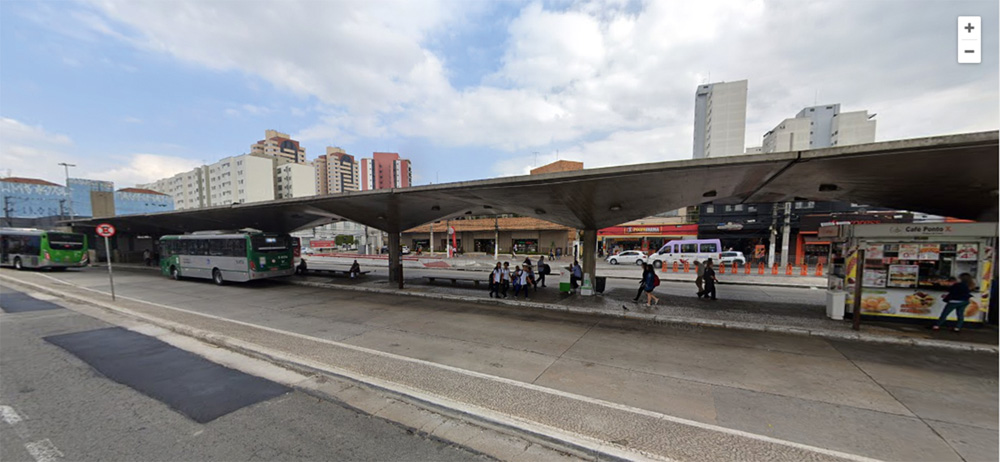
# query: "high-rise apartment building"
[[720, 116], [241, 179], [279, 146], [294, 180], [336, 172], [820, 127], [385, 170]]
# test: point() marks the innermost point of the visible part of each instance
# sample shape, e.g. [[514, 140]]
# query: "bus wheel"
[[174, 273], [17, 264], [217, 277]]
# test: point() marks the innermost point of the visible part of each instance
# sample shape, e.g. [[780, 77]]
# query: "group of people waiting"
[[502, 278]]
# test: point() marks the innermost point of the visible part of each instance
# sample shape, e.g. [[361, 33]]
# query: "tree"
[[344, 239]]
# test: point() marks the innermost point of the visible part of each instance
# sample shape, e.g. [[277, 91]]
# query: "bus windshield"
[[270, 243], [65, 241]]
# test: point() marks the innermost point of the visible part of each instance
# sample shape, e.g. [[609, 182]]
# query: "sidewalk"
[[787, 318], [485, 265]]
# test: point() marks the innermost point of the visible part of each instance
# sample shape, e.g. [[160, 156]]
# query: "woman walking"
[[958, 298], [496, 279], [710, 280], [649, 283], [642, 281]]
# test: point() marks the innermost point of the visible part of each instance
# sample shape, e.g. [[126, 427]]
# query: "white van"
[[687, 251]]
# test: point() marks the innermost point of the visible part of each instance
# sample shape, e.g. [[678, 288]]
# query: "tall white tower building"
[[720, 119]]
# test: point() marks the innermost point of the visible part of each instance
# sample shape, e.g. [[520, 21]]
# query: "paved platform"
[[644, 389]]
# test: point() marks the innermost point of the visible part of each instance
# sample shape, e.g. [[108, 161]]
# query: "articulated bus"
[[36, 248], [227, 256]]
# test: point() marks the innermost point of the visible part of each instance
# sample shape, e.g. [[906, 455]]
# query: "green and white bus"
[[36, 248], [226, 256]]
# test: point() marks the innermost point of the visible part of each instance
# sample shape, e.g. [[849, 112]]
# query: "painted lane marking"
[[530, 386], [44, 451], [9, 415]]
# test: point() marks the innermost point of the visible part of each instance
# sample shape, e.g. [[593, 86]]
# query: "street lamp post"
[[69, 194]]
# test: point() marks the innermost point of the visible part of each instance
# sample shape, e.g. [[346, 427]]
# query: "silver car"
[[626, 257]]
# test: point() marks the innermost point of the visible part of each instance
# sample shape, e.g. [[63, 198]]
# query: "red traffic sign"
[[105, 230]]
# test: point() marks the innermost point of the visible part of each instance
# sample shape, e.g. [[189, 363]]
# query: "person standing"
[[543, 269], [530, 280], [505, 279], [496, 279], [958, 297], [699, 281], [355, 270], [709, 280], [642, 281], [576, 275], [147, 257], [650, 282]]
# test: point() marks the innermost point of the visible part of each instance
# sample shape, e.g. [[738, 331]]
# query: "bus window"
[[689, 248], [709, 248], [269, 243], [65, 241]]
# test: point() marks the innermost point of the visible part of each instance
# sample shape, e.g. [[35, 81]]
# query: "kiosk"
[[908, 268]]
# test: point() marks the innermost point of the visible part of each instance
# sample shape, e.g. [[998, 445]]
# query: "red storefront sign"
[[661, 230]]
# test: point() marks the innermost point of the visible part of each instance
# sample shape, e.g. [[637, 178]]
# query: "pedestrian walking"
[[496, 280], [700, 280], [642, 281], [958, 298], [505, 279], [517, 280], [543, 269], [709, 280], [576, 274], [530, 280], [651, 281], [147, 257]]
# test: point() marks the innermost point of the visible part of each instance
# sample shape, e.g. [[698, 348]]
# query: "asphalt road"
[[57, 407], [880, 401]]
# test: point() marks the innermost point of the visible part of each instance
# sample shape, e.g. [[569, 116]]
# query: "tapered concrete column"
[[395, 259], [588, 252]]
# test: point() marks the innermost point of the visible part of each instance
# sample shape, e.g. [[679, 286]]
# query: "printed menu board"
[[967, 252], [909, 251], [875, 278], [930, 252], [904, 276], [874, 252]]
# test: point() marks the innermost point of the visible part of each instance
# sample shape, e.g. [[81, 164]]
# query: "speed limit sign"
[[105, 230]]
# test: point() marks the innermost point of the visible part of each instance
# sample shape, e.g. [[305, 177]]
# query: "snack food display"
[[876, 303], [972, 309], [918, 303]]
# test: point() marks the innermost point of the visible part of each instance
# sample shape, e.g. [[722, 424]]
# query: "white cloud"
[[605, 81], [144, 168], [32, 152]]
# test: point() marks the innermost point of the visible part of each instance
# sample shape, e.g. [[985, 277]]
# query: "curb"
[[679, 321], [593, 450]]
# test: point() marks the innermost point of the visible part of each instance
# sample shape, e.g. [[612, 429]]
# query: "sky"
[[132, 91]]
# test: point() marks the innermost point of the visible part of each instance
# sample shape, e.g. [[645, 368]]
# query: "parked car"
[[729, 257], [626, 257], [406, 250]]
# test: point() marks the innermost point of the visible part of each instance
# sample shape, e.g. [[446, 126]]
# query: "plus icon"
[[968, 28]]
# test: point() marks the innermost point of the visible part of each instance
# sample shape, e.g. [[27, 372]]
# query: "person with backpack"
[[543, 269], [517, 279], [651, 280], [646, 268]]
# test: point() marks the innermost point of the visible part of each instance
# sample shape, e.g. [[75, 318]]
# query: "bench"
[[454, 280]]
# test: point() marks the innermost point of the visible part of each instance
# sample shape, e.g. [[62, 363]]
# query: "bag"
[[656, 280], [546, 269]]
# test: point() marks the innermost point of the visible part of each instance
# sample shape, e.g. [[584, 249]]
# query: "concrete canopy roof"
[[954, 175]]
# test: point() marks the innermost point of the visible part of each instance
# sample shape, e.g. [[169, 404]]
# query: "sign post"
[[105, 230]]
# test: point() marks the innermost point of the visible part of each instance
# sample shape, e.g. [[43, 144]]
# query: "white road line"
[[530, 386], [43, 451], [42, 296], [9, 415]]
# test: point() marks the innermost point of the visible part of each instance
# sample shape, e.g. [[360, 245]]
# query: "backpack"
[[656, 280]]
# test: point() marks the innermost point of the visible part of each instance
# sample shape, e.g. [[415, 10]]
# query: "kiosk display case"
[[908, 268]]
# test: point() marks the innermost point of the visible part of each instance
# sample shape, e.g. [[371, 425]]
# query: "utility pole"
[[7, 209], [774, 235], [784, 234], [69, 193], [496, 236], [432, 238]]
